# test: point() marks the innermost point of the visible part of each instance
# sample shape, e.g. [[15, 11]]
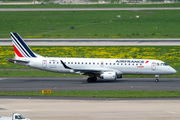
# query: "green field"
[[91, 24], [103, 94], [91, 6]]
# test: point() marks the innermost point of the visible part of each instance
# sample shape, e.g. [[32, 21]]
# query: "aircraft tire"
[[89, 80], [156, 80], [94, 79]]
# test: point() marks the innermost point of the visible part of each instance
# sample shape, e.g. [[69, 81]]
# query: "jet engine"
[[108, 76]]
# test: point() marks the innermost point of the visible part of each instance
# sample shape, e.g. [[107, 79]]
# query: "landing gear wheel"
[[94, 79], [89, 80], [156, 80]]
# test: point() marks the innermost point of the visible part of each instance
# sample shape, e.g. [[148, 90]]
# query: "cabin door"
[[44, 63], [153, 66]]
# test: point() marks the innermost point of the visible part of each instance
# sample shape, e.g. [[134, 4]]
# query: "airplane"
[[106, 69]]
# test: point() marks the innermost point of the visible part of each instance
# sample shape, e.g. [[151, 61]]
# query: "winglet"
[[65, 66]]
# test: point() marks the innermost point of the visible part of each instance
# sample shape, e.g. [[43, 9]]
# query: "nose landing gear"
[[157, 80], [157, 76]]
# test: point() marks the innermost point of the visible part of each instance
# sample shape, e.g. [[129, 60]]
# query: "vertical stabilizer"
[[20, 47]]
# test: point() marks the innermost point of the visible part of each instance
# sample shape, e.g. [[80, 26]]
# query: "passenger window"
[[86, 62], [57, 62], [68, 62], [71, 62], [53, 62], [78, 62], [121, 63], [82, 62], [89, 63], [136, 64], [132, 64], [109, 63], [114, 64], [157, 64], [75, 62], [117, 63], [49, 62], [129, 64], [93, 63], [97, 63]]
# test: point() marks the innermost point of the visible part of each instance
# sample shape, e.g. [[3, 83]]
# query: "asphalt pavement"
[[67, 84], [55, 109], [95, 42]]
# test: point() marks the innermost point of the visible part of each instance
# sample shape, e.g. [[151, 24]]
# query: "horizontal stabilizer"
[[15, 60]]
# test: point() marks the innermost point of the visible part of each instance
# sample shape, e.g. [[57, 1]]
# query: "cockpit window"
[[165, 64], [162, 64], [19, 117]]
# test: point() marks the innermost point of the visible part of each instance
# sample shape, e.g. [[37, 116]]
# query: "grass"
[[91, 24], [91, 6], [99, 94], [51, 74]]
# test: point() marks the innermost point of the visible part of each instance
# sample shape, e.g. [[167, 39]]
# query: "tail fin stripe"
[[24, 45], [20, 46], [17, 49]]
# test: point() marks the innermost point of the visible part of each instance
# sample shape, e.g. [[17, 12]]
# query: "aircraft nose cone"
[[173, 71]]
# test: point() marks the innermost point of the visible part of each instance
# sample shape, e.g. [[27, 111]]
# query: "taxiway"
[[66, 84]]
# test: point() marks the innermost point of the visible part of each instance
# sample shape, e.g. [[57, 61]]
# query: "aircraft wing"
[[90, 70], [84, 70], [15, 60]]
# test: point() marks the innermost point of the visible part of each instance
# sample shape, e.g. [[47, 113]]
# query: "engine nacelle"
[[109, 76]]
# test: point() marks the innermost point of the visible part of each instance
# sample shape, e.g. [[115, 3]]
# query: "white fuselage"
[[120, 66]]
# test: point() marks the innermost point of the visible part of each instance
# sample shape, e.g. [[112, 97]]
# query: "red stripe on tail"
[[17, 52]]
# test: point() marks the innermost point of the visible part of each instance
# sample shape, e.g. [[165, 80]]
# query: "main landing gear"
[[92, 79], [157, 76]]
